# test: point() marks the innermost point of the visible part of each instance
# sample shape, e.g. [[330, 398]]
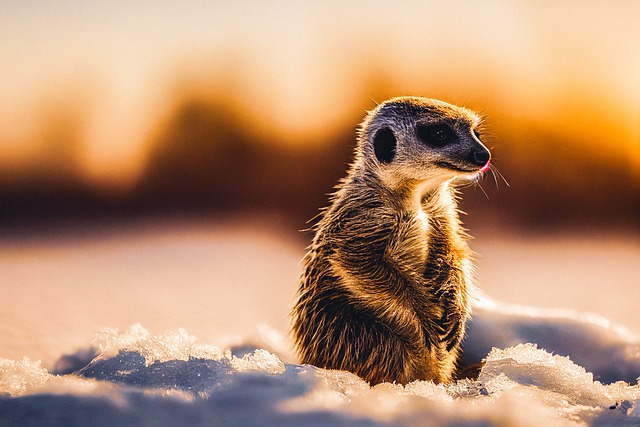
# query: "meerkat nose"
[[481, 158]]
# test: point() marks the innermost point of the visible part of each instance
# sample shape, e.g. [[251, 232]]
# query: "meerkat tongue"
[[485, 167]]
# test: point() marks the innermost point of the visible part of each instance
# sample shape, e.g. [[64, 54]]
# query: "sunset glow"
[[299, 69]]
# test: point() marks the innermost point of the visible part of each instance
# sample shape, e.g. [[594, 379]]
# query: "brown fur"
[[386, 282]]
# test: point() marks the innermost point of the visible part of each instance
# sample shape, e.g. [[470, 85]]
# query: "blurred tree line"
[[208, 159]]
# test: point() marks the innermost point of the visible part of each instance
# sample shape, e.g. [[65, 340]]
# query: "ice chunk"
[[178, 345], [171, 345], [19, 377], [259, 360], [527, 365]]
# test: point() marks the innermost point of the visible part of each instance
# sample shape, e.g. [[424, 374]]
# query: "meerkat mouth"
[[451, 166]]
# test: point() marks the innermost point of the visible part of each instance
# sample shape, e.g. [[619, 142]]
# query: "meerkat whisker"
[[482, 189], [496, 171], [495, 178]]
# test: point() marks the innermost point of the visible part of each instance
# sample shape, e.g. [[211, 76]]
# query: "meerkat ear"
[[384, 145]]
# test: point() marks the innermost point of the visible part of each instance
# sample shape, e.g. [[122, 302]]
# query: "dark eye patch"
[[384, 145], [435, 135]]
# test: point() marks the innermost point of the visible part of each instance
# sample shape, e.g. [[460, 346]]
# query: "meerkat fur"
[[387, 279]]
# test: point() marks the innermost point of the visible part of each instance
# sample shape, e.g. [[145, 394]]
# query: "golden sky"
[[111, 71]]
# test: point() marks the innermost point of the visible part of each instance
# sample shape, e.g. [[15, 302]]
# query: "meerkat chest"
[[422, 221], [421, 229], [416, 205], [410, 246]]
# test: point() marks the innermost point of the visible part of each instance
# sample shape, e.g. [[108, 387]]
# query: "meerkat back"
[[386, 281]]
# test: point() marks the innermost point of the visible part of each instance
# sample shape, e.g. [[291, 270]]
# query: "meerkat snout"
[[461, 147]]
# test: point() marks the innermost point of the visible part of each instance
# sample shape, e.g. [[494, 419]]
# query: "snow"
[[541, 366], [171, 379]]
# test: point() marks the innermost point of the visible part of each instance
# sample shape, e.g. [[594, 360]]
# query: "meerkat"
[[386, 284]]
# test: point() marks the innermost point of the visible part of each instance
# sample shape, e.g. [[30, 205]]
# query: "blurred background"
[[217, 106], [119, 114]]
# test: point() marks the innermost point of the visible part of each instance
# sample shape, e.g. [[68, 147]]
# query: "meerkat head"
[[411, 139]]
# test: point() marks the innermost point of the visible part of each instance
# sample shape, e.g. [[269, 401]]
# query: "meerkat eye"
[[435, 135], [384, 145]]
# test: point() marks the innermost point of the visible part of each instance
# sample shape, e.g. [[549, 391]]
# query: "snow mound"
[[607, 350], [554, 380], [135, 377]]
